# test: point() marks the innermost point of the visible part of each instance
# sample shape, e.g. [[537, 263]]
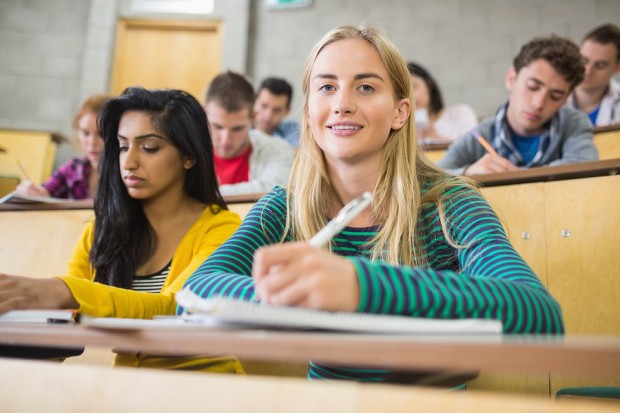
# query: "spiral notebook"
[[232, 312]]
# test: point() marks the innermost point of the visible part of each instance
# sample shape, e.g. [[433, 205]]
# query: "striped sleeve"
[[228, 271], [491, 281]]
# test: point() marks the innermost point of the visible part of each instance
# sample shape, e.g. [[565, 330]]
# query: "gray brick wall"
[[468, 45], [53, 53]]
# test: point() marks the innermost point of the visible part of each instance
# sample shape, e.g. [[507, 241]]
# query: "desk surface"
[[584, 356], [88, 203], [551, 173]]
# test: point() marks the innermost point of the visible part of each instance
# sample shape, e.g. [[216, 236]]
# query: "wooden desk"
[[27, 386], [551, 173], [529, 354]]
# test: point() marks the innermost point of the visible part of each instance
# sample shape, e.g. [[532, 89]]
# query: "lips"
[[132, 181], [532, 117], [345, 129]]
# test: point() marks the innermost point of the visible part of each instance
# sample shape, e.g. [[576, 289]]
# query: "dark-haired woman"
[[434, 121], [158, 215]]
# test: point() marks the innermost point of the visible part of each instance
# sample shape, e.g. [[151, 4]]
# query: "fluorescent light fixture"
[[172, 6]]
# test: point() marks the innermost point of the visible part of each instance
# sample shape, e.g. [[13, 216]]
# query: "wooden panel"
[[584, 267], [435, 154], [608, 144], [34, 150], [27, 386], [8, 184], [167, 54], [39, 243], [521, 208]]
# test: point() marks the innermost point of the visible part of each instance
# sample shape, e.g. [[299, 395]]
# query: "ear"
[[511, 76], [401, 113], [188, 162]]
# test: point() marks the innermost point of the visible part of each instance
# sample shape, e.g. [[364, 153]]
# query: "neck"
[[588, 100], [170, 208], [351, 182]]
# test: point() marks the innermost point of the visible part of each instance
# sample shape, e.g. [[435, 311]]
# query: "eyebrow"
[[141, 137], [356, 77]]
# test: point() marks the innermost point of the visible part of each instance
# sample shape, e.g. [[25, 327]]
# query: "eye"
[[150, 148], [366, 88], [327, 88]]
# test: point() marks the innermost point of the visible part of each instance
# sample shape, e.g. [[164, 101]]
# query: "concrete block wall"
[[468, 45], [54, 53]]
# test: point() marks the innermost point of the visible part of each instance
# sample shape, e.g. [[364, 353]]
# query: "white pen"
[[346, 215]]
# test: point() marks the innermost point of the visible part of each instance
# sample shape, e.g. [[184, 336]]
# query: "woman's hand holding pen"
[[298, 274], [29, 188]]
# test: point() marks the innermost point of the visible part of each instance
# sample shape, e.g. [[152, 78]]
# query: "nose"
[[129, 159], [539, 100], [343, 103], [588, 66]]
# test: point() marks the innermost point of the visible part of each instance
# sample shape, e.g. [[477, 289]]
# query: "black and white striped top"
[[152, 283]]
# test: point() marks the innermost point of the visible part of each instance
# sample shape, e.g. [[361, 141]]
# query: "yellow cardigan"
[[99, 300]]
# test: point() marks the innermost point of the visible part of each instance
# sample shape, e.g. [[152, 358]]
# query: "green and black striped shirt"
[[483, 278]]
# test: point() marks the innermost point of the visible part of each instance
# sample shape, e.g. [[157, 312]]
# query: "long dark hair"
[[436, 101], [124, 239]]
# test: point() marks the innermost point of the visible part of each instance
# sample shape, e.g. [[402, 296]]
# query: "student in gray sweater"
[[532, 128]]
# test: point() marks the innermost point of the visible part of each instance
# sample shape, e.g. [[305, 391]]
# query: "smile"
[[345, 127]]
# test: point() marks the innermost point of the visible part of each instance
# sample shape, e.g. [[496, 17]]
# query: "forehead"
[[266, 96], [541, 72], [217, 114], [348, 57], [594, 50]]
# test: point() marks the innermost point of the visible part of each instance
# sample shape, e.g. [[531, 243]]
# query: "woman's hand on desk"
[[297, 274], [22, 293], [490, 164], [29, 188]]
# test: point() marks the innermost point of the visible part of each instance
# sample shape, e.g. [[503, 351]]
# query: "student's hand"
[[490, 164], [297, 274], [21, 293], [29, 188]]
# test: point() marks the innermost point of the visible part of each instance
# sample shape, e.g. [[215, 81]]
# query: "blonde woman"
[[429, 246]]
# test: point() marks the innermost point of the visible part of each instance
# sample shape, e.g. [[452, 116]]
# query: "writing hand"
[[490, 164], [297, 274], [29, 188]]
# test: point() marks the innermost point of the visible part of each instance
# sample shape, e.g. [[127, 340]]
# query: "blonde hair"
[[92, 104], [398, 195]]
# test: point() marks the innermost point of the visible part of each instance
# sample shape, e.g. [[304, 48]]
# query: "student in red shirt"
[[246, 160]]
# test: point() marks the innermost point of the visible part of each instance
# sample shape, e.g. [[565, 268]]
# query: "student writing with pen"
[[532, 128], [428, 245]]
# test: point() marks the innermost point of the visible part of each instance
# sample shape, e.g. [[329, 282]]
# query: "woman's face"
[[351, 102], [421, 94], [90, 140], [151, 166]]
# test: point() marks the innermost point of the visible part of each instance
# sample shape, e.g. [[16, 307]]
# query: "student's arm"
[[56, 185], [578, 145], [493, 282], [228, 271], [105, 301], [461, 154]]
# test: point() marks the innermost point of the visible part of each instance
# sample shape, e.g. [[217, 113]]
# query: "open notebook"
[[227, 311]]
